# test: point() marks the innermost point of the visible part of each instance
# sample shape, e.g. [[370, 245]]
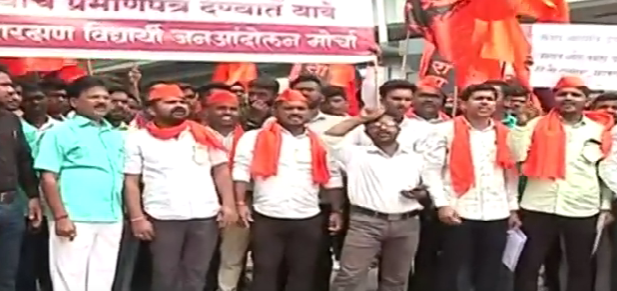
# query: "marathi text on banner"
[[588, 51], [207, 30]]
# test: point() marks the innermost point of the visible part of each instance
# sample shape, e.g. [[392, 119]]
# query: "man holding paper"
[[473, 182]]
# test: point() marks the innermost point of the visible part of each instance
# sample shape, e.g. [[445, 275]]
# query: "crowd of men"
[[103, 188]]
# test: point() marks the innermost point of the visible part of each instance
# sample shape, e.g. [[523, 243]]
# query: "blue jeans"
[[12, 228]]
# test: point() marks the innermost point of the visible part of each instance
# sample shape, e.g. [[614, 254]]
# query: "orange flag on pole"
[[231, 73]]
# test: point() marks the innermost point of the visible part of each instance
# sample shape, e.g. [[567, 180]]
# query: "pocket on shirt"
[[201, 154], [77, 153], [592, 151]]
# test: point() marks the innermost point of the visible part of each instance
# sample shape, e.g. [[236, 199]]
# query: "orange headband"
[[429, 85], [569, 81], [165, 91], [222, 98], [290, 95]]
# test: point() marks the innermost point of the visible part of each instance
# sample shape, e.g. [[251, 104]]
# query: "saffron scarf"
[[461, 162], [547, 152], [203, 135], [267, 153]]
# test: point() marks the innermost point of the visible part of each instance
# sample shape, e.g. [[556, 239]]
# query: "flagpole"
[[454, 101], [405, 53], [89, 68]]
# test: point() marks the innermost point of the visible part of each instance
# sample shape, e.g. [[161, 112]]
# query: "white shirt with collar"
[[291, 194], [178, 183], [375, 179], [413, 131], [495, 191]]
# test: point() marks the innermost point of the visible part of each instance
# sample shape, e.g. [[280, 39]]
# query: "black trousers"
[[293, 243], [34, 263], [552, 265], [424, 274], [542, 229], [476, 247]]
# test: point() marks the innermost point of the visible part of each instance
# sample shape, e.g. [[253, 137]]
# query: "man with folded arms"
[[182, 165], [288, 165], [383, 186], [473, 183], [560, 152]]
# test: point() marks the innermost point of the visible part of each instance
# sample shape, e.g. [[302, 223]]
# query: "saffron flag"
[[341, 75], [232, 73], [22, 66]]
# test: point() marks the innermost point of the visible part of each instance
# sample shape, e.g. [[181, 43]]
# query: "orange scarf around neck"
[[547, 153], [202, 134], [267, 152], [461, 161]]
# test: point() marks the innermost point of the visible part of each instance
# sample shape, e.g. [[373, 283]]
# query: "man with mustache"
[[333, 198], [396, 97], [288, 166], [34, 263], [563, 200], [472, 180], [16, 172], [335, 101], [81, 162], [119, 109], [426, 113], [382, 182], [187, 194], [222, 115], [55, 91], [260, 97]]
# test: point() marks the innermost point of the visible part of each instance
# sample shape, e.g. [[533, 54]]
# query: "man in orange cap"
[[562, 199], [288, 165], [426, 113], [187, 187], [221, 113]]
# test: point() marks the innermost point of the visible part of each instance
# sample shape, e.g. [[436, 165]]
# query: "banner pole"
[[89, 68], [405, 50], [455, 101]]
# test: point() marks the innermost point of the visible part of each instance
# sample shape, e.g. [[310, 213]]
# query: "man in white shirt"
[[187, 183], [383, 179], [425, 114], [310, 86], [396, 97], [288, 165], [221, 113], [473, 182]]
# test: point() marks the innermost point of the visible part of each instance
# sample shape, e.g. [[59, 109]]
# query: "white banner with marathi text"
[[588, 51], [309, 31]]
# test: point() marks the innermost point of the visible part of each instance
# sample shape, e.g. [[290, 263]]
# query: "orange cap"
[[165, 91], [429, 85], [222, 97], [290, 95], [570, 81]]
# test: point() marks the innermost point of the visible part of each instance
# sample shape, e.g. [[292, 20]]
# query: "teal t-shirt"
[[88, 159]]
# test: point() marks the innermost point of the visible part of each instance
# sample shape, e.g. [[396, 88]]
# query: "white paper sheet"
[[599, 231], [514, 248]]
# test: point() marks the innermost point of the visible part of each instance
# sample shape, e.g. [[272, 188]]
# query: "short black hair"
[[82, 84], [266, 83], [378, 118], [516, 89], [121, 89], [5, 70], [53, 84], [29, 88], [467, 92], [186, 86], [205, 89], [395, 84], [498, 83], [609, 96], [333, 91], [305, 78]]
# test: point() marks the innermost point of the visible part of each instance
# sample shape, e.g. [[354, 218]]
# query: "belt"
[[7, 197], [384, 216]]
